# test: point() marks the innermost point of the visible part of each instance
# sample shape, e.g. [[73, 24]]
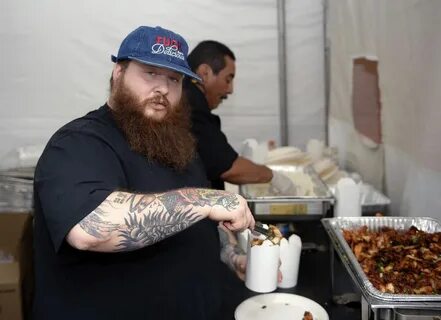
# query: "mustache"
[[159, 99]]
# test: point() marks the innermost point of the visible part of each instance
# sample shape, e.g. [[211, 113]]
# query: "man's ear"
[[204, 71], [118, 70]]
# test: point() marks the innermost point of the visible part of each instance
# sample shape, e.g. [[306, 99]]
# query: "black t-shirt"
[[177, 278], [213, 147]]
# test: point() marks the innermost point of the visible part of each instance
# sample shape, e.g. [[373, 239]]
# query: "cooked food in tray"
[[400, 262]]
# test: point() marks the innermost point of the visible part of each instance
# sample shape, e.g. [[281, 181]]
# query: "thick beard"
[[167, 141]]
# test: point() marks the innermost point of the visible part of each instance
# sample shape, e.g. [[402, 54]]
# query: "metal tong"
[[258, 227]]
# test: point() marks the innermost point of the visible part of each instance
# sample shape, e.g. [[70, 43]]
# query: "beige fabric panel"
[[352, 34]]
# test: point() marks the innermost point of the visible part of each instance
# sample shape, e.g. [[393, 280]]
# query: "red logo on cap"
[[168, 42]]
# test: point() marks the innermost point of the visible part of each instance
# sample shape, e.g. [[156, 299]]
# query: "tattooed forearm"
[[174, 201], [139, 205], [146, 230], [97, 225], [203, 197], [137, 202], [126, 221]]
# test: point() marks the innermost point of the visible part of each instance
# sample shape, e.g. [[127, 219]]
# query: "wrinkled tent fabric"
[[56, 62], [405, 37]]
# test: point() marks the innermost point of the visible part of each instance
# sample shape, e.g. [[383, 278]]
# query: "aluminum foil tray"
[[333, 227], [315, 196]]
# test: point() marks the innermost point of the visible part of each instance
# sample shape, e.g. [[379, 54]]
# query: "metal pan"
[[334, 226]]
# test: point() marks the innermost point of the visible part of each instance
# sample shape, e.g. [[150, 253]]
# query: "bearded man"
[[123, 226]]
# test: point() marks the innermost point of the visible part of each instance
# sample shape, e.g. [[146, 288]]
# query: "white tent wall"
[[55, 59], [55, 62], [305, 71], [405, 37]]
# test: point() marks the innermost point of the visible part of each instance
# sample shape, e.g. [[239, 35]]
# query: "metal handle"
[[258, 227]]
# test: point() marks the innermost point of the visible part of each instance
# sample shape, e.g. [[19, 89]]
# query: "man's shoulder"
[[96, 123]]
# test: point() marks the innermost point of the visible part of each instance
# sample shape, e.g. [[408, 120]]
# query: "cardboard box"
[[10, 293], [16, 275]]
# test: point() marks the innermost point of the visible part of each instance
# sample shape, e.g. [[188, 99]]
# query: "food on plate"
[[275, 236], [307, 316], [400, 262]]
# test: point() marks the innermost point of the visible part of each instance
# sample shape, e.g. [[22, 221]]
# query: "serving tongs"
[[259, 228]]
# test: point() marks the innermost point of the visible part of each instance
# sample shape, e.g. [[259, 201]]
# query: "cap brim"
[[173, 67]]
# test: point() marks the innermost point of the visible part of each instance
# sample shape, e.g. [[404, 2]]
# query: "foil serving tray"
[[334, 226], [315, 202]]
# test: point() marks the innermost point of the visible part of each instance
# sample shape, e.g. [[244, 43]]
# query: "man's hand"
[[240, 266], [233, 212], [282, 185], [231, 254]]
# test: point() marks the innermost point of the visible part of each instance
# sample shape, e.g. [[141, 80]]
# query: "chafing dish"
[[376, 304], [314, 200]]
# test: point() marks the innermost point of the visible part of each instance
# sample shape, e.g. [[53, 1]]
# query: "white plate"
[[279, 306], [301, 159], [333, 180], [329, 174], [283, 151]]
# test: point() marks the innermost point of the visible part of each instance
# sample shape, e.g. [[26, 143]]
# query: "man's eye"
[[175, 79], [151, 73]]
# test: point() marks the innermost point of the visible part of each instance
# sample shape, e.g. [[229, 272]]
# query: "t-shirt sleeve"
[[213, 147], [75, 174]]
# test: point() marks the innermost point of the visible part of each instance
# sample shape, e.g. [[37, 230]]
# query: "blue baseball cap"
[[156, 47]]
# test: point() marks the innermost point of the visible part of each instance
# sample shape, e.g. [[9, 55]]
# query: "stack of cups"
[[290, 251], [347, 193]]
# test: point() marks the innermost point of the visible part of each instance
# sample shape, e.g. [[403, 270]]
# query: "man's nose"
[[230, 88], [161, 84]]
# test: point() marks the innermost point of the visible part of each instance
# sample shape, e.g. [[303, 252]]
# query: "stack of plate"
[[325, 168], [287, 155]]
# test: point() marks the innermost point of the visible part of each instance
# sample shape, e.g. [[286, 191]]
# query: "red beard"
[[167, 141]]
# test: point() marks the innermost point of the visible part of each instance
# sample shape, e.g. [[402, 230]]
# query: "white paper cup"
[[262, 267], [290, 251]]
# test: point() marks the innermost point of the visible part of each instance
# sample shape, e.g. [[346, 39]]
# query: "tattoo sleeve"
[[131, 221]]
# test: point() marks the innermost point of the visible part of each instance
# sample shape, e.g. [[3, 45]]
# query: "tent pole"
[[283, 109], [327, 70]]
